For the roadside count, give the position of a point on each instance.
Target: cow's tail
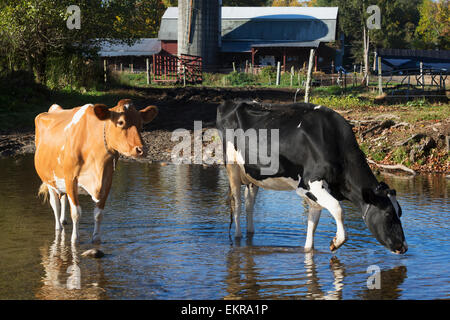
(43, 192)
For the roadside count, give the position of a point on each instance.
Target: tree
(32, 31)
(398, 21)
(170, 3)
(146, 18)
(433, 30)
(286, 3)
(244, 3)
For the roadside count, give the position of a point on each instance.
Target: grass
(21, 99)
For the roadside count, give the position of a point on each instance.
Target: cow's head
(381, 213)
(123, 126)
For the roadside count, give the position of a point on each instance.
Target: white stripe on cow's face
(318, 107)
(77, 116)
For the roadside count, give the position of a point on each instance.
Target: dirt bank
(382, 131)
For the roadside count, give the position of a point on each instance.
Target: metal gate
(184, 69)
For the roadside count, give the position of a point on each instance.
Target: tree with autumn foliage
(433, 31)
(286, 3)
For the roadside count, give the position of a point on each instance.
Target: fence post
(421, 76)
(292, 76)
(308, 78)
(278, 73)
(105, 70)
(148, 70)
(234, 66)
(380, 78)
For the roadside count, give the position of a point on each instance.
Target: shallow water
(165, 236)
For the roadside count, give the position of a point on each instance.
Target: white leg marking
(62, 218)
(98, 217)
(325, 200)
(250, 195)
(313, 219)
(54, 202)
(76, 215)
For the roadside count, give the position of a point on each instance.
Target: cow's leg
(100, 204)
(54, 202)
(251, 191)
(98, 217)
(75, 209)
(313, 219)
(235, 188)
(327, 201)
(63, 202)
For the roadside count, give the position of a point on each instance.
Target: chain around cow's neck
(114, 154)
(365, 212)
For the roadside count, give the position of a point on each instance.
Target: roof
(246, 46)
(411, 53)
(236, 13)
(142, 47)
(244, 27)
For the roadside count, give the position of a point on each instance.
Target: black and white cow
(319, 157)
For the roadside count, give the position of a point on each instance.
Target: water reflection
(63, 274)
(166, 237)
(245, 279)
(390, 283)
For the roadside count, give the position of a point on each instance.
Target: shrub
(18, 90)
(240, 79)
(73, 72)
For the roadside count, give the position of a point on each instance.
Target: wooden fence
(184, 69)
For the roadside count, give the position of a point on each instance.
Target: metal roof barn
(244, 27)
(143, 47)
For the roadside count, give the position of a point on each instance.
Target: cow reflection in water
(245, 279)
(63, 275)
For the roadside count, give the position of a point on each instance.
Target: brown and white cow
(76, 151)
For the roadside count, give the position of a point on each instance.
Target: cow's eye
(120, 123)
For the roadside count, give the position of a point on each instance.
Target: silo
(199, 24)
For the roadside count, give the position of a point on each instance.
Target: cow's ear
(369, 196)
(102, 112)
(149, 113)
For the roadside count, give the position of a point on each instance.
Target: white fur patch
(234, 156)
(77, 116)
(54, 107)
(60, 184)
(318, 107)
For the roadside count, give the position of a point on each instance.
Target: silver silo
(199, 24)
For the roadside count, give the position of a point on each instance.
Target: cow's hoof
(63, 222)
(336, 244)
(93, 253)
